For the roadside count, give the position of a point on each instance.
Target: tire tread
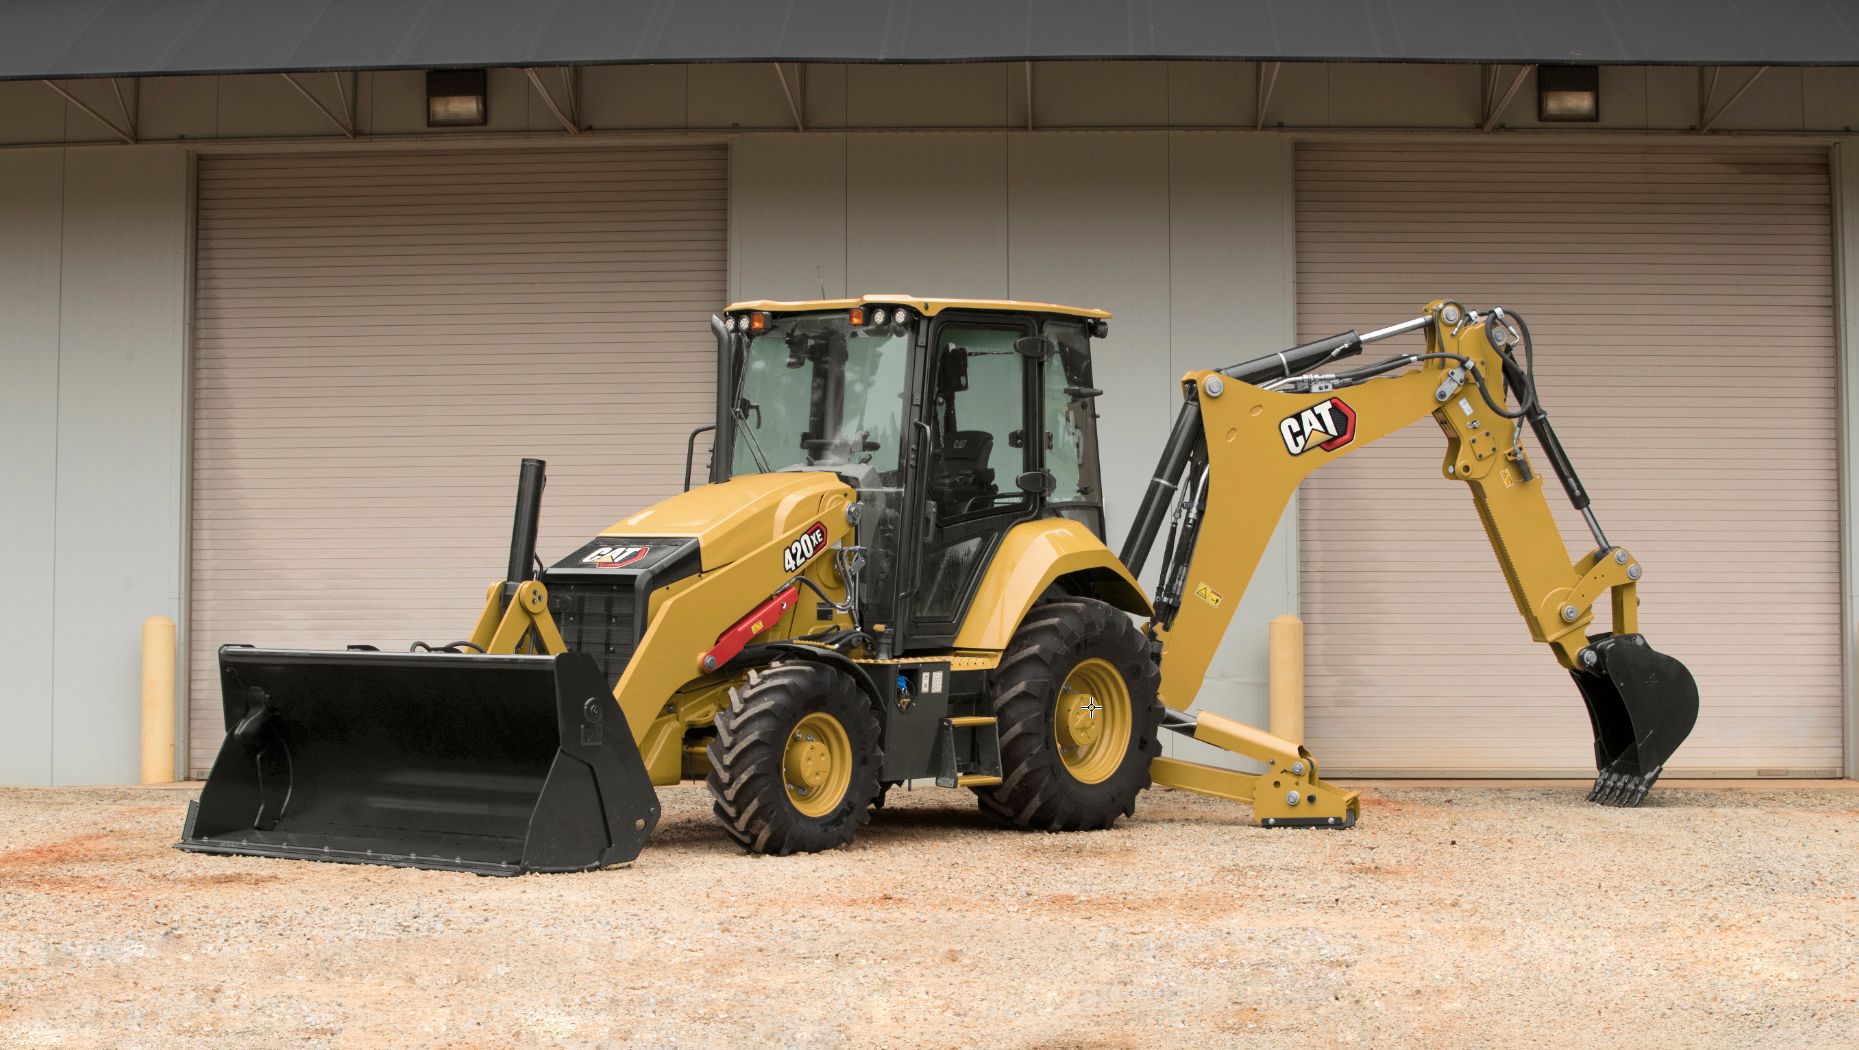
(748, 796)
(1035, 790)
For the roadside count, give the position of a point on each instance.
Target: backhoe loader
(897, 572)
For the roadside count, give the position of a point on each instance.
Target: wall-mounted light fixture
(455, 98)
(1568, 94)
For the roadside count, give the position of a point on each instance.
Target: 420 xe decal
(803, 549)
(1329, 426)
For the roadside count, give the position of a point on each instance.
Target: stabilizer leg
(1289, 794)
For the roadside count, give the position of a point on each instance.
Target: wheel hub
(816, 764)
(1082, 724)
(809, 760)
(1092, 720)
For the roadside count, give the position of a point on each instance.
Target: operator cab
(955, 420)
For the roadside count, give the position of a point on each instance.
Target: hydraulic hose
(1523, 379)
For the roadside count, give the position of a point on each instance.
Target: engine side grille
(599, 620)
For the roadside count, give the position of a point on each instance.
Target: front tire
(1075, 696)
(794, 766)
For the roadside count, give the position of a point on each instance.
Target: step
(972, 720)
(976, 780)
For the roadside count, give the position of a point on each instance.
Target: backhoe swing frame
(1239, 452)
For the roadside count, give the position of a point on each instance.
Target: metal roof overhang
(94, 38)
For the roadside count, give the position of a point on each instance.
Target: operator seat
(964, 481)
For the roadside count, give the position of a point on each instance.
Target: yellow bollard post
(158, 700)
(1287, 684)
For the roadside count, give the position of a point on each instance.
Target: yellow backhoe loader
(897, 571)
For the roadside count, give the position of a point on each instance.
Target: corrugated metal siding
(1682, 308)
(379, 338)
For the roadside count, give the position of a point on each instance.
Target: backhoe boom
(1247, 436)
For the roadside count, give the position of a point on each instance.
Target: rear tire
(1075, 695)
(794, 766)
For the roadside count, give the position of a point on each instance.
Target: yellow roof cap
(929, 307)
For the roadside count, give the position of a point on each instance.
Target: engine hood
(735, 517)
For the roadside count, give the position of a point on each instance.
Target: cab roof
(928, 307)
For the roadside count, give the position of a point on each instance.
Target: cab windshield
(814, 392)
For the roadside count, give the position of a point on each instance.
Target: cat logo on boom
(1328, 425)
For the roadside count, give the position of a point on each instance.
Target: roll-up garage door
(1682, 306)
(379, 338)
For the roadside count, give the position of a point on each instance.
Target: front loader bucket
(490, 764)
(1642, 704)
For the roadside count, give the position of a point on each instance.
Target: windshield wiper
(755, 447)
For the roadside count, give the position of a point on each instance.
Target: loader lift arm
(1247, 436)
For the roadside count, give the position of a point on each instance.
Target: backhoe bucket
(490, 764)
(1642, 704)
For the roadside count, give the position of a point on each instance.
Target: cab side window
(1068, 408)
(978, 450)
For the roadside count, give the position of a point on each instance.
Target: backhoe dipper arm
(1250, 434)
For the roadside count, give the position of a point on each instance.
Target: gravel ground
(1455, 916)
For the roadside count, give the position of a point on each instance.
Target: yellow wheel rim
(816, 765)
(1091, 721)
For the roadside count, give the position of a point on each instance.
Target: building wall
(1185, 233)
(93, 411)
(1184, 236)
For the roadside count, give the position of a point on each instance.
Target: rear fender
(1033, 557)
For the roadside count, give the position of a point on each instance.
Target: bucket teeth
(1623, 790)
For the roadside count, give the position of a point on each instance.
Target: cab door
(980, 402)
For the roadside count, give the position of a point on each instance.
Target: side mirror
(1037, 347)
(1036, 482)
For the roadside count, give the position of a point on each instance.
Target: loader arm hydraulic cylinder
(1257, 430)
